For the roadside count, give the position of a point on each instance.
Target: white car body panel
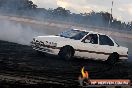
(84, 50)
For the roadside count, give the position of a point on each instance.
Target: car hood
(52, 38)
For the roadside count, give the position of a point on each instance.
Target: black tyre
(66, 53)
(113, 58)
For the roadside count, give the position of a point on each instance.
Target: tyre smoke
(15, 32)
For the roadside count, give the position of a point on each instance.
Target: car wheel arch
(113, 58)
(72, 49)
(114, 53)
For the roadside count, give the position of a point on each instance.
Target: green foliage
(103, 19)
(17, 4)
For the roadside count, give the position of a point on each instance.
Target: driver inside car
(89, 39)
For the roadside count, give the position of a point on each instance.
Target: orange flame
(84, 73)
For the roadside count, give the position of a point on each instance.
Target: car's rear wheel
(113, 58)
(66, 53)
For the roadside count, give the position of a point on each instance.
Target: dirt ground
(21, 66)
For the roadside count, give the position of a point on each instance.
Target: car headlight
(45, 43)
(50, 44)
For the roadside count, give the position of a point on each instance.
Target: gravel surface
(21, 65)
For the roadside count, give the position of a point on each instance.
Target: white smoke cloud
(15, 32)
(74, 7)
(82, 6)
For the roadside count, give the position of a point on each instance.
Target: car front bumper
(38, 47)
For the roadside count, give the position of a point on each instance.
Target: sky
(122, 9)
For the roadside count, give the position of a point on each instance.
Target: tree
(61, 11)
(30, 5)
(17, 4)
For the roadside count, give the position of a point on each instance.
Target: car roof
(90, 31)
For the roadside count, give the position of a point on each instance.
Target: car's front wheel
(66, 53)
(113, 58)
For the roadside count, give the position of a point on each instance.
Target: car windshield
(73, 34)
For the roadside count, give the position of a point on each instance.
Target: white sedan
(81, 43)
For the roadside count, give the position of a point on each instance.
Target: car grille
(40, 46)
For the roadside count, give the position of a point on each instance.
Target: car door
(88, 48)
(106, 47)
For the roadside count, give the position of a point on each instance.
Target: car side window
(105, 40)
(91, 38)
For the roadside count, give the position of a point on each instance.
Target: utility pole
(112, 9)
(109, 24)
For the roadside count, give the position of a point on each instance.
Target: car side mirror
(87, 41)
